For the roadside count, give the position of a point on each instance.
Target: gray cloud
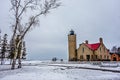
(90, 19)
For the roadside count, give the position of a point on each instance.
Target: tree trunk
(19, 63)
(10, 61)
(14, 59)
(13, 64)
(16, 53)
(2, 59)
(19, 59)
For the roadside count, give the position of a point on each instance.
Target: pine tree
(3, 49)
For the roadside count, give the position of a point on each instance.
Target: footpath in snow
(103, 66)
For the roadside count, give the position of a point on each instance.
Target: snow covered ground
(38, 70)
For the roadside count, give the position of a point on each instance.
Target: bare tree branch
(24, 7)
(47, 6)
(19, 7)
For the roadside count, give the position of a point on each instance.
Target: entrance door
(114, 59)
(88, 57)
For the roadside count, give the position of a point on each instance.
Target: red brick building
(115, 57)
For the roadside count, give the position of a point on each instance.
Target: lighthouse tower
(72, 46)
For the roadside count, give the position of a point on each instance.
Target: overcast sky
(90, 19)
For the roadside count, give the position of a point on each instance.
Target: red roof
(94, 46)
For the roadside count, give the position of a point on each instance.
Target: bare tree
(21, 26)
(114, 49)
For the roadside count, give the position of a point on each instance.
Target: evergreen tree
(3, 49)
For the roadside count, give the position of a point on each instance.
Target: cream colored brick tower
(72, 46)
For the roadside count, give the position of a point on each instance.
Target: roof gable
(94, 46)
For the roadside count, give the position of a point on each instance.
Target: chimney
(101, 40)
(86, 41)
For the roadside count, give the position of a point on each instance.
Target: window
(104, 56)
(81, 56)
(107, 57)
(95, 56)
(100, 56)
(83, 50)
(100, 49)
(104, 49)
(92, 57)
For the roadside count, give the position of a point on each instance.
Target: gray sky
(90, 19)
